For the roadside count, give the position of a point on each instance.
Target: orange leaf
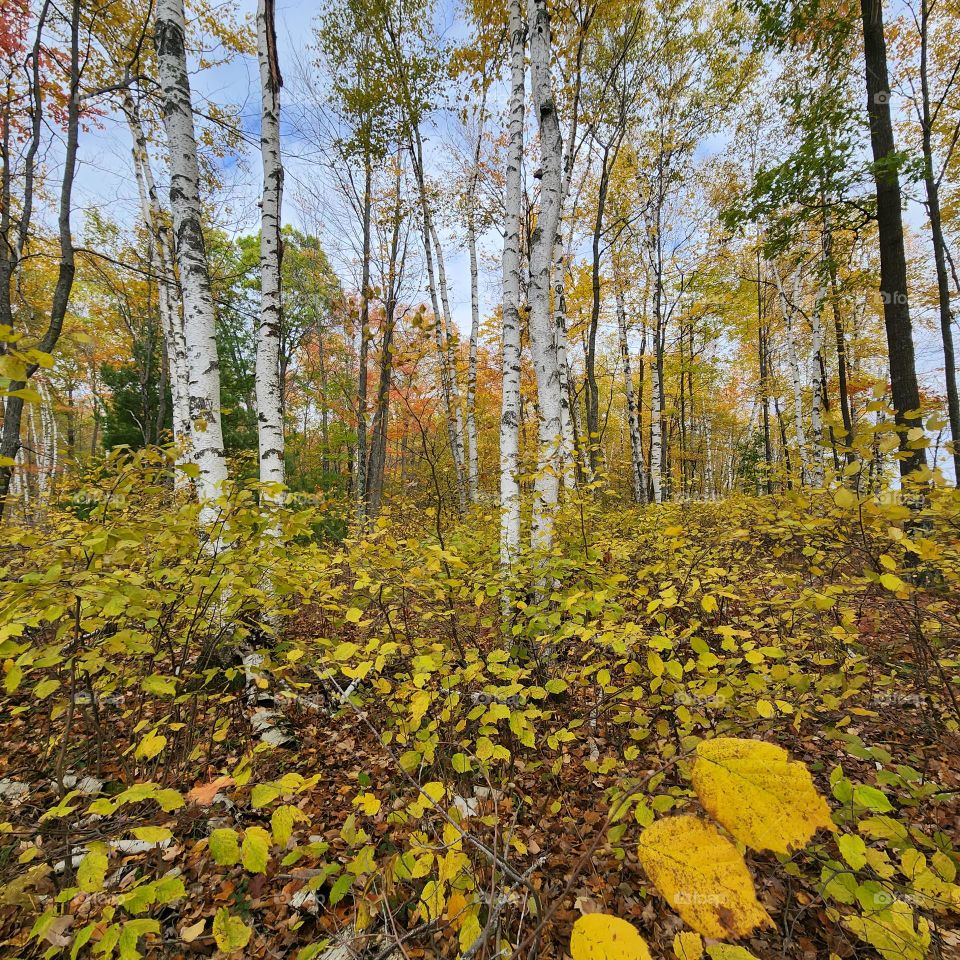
(204, 794)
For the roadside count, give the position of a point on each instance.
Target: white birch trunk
(199, 323)
(816, 420)
(161, 263)
(633, 421)
(473, 458)
(268, 387)
(510, 400)
(567, 449)
(656, 416)
(543, 340)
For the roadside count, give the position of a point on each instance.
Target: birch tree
(268, 387)
(199, 325)
(543, 341)
(510, 400)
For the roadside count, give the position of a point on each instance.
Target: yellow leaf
(369, 803)
(255, 851)
(764, 799)
(892, 932)
(702, 876)
(599, 936)
(231, 933)
(150, 745)
(709, 603)
(844, 498)
(282, 821)
(152, 834)
(727, 951)
(224, 846)
(892, 582)
(353, 615)
(688, 946)
(93, 868)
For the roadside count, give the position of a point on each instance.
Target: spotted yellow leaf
(599, 936)
(702, 876)
(765, 799)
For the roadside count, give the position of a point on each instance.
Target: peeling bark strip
(543, 341)
(199, 326)
(268, 385)
(510, 402)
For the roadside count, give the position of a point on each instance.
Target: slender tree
(893, 261)
(268, 387)
(199, 322)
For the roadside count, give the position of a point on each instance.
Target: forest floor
(475, 793)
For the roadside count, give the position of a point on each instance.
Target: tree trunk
(796, 382)
(63, 286)
(454, 434)
(268, 386)
(473, 460)
(633, 422)
(362, 466)
(932, 184)
(543, 342)
(510, 400)
(893, 261)
(593, 391)
(199, 322)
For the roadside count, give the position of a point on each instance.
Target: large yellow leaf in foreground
(765, 799)
(702, 876)
(599, 936)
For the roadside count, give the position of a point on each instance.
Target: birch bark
(510, 400)
(268, 386)
(473, 459)
(543, 341)
(633, 421)
(199, 324)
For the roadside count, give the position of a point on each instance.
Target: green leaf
(340, 888)
(871, 798)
